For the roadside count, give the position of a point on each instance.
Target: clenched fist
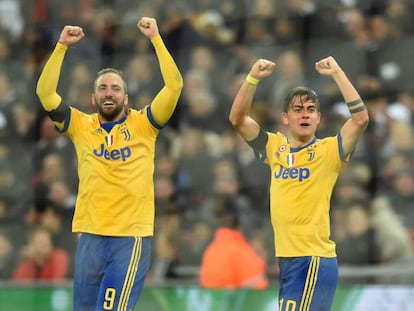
(262, 68)
(71, 35)
(327, 66)
(148, 27)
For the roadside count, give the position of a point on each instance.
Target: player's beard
(112, 114)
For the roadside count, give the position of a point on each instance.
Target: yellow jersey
(302, 181)
(115, 167)
(115, 195)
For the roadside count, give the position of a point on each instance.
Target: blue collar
(107, 126)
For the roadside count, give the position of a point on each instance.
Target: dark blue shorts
(110, 272)
(307, 283)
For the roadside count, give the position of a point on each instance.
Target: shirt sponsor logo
(115, 154)
(300, 174)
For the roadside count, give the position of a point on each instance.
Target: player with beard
(115, 147)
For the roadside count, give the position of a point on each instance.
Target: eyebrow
(302, 105)
(109, 85)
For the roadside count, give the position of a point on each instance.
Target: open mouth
(108, 103)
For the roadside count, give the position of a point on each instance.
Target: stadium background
(199, 157)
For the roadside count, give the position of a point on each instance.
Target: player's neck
(298, 142)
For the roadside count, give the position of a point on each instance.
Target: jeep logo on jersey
(116, 154)
(293, 173)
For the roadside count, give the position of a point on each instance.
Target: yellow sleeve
(163, 105)
(48, 81)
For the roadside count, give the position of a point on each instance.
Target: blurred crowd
(200, 159)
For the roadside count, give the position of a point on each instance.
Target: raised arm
(163, 105)
(353, 128)
(46, 88)
(240, 117)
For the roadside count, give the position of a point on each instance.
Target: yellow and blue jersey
(115, 168)
(115, 204)
(302, 181)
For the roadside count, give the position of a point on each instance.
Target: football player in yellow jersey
(304, 170)
(114, 212)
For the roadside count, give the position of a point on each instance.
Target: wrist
(155, 38)
(62, 46)
(340, 74)
(252, 80)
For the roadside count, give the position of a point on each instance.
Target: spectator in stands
(8, 94)
(194, 160)
(44, 184)
(166, 245)
(10, 61)
(81, 82)
(11, 18)
(179, 33)
(400, 195)
(10, 184)
(230, 261)
(396, 240)
(40, 259)
(360, 246)
(290, 74)
(196, 237)
(8, 256)
(355, 27)
(51, 141)
(58, 222)
(141, 80)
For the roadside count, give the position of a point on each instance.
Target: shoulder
(277, 138)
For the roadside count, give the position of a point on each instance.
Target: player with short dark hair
(115, 147)
(304, 170)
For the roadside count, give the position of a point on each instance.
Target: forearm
(351, 96)
(242, 103)
(163, 105)
(240, 111)
(239, 116)
(345, 86)
(169, 70)
(47, 85)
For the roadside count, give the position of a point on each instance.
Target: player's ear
(284, 118)
(93, 100)
(126, 100)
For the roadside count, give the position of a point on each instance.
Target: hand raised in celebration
(327, 66)
(71, 35)
(262, 68)
(148, 27)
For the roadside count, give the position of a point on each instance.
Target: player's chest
(286, 157)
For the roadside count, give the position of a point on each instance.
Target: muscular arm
(353, 128)
(163, 105)
(46, 88)
(240, 117)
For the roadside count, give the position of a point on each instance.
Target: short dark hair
(110, 70)
(305, 94)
